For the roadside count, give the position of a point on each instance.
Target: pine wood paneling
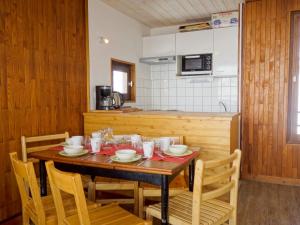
(158, 13)
(42, 78)
(266, 34)
(215, 134)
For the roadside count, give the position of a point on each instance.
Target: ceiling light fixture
(103, 40)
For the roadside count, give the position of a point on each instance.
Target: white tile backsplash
(161, 89)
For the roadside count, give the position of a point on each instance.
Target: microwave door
(192, 63)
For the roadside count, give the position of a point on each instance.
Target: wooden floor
(268, 204)
(259, 204)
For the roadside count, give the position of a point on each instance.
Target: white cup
(148, 148)
(96, 144)
(75, 140)
(164, 143)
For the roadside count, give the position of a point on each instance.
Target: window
(294, 81)
(123, 78)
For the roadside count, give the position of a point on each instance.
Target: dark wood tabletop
(103, 161)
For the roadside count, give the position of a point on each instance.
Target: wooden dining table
(157, 172)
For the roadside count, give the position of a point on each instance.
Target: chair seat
(49, 207)
(109, 214)
(180, 210)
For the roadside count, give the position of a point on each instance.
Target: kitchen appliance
(107, 100)
(193, 65)
(158, 60)
(104, 99)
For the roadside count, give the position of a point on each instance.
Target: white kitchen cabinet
(225, 54)
(160, 45)
(196, 42)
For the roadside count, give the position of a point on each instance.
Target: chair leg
(136, 198)
(149, 216)
(141, 203)
(92, 191)
(233, 220)
(25, 218)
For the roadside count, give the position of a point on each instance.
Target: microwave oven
(197, 64)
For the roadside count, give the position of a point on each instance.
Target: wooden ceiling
(159, 13)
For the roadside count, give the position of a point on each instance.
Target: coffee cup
(164, 143)
(96, 144)
(148, 148)
(75, 140)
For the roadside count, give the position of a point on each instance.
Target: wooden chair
(206, 207)
(40, 210)
(177, 186)
(71, 183)
(58, 138)
(116, 185)
(54, 137)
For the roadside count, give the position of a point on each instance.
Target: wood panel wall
(42, 78)
(266, 34)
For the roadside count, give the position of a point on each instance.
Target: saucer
(116, 159)
(63, 153)
(188, 152)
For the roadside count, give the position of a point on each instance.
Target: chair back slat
(224, 175)
(26, 179)
(70, 183)
(223, 181)
(44, 138)
(218, 192)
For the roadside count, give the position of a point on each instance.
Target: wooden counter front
(216, 133)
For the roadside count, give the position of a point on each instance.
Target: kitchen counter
(159, 113)
(215, 133)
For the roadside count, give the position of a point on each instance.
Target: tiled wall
(191, 94)
(144, 88)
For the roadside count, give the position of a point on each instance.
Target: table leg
(164, 200)
(43, 178)
(191, 175)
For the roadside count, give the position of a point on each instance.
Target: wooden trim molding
(133, 77)
(87, 41)
(272, 180)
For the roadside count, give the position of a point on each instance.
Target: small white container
(96, 144)
(148, 148)
(125, 154)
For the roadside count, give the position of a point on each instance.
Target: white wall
(125, 35)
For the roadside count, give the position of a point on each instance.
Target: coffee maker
(104, 98)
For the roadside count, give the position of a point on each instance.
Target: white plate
(116, 159)
(63, 153)
(188, 152)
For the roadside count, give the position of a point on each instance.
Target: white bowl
(125, 154)
(73, 149)
(178, 149)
